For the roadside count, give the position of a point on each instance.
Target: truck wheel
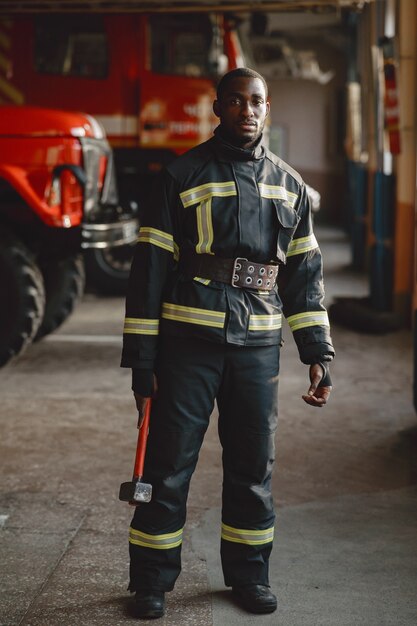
(108, 270)
(64, 285)
(22, 296)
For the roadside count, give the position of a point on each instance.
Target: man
(226, 221)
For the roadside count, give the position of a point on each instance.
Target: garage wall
(311, 117)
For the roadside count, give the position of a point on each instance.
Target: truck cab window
(71, 46)
(180, 44)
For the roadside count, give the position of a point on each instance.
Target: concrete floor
(345, 484)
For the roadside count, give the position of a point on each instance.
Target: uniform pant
(191, 375)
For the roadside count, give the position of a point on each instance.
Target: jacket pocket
(287, 223)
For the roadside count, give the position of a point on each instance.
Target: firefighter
(226, 249)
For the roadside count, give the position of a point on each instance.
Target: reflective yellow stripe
(204, 228)
(157, 238)
(278, 192)
(301, 245)
(13, 94)
(8, 93)
(265, 322)
(140, 326)
(204, 281)
(310, 318)
(191, 315)
(249, 537)
(156, 542)
(206, 191)
(176, 252)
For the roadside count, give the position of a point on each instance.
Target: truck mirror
(76, 170)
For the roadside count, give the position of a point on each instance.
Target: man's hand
(141, 401)
(317, 396)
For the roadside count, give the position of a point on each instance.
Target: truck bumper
(109, 235)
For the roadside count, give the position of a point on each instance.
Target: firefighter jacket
(218, 199)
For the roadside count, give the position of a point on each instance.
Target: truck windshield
(183, 45)
(70, 46)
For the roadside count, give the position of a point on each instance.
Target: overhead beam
(10, 7)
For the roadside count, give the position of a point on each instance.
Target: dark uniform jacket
(221, 200)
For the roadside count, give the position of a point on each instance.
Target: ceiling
(141, 6)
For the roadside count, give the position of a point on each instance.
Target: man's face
(242, 110)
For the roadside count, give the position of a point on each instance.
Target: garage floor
(345, 484)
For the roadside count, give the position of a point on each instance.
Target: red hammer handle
(141, 445)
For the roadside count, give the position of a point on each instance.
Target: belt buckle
(237, 266)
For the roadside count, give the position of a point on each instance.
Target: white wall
(307, 112)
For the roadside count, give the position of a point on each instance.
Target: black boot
(255, 598)
(149, 604)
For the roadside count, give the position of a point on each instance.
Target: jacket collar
(226, 151)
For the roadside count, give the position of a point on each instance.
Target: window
(71, 46)
(183, 45)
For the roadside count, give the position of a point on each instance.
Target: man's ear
(268, 108)
(216, 108)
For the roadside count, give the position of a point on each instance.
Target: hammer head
(135, 492)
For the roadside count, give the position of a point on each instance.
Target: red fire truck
(58, 196)
(148, 79)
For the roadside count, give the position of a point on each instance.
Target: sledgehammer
(136, 491)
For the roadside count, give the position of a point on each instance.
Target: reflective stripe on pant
(191, 374)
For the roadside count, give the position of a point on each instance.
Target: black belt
(237, 272)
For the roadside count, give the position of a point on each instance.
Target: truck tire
(64, 285)
(22, 296)
(108, 270)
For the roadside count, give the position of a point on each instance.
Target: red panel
(29, 167)
(176, 112)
